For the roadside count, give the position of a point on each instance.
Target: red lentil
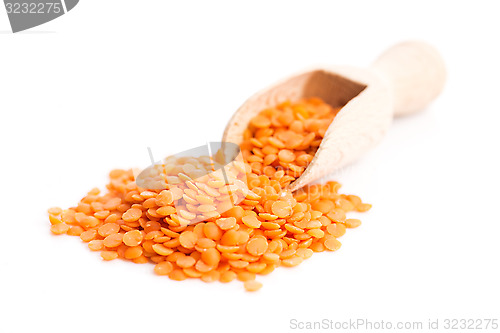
(109, 255)
(59, 229)
(252, 285)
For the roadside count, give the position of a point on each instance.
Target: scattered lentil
(252, 285)
(59, 228)
(109, 255)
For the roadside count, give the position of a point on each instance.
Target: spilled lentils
(197, 226)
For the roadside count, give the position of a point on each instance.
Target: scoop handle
(415, 72)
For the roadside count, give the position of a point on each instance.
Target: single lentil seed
(257, 245)
(164, 268)
(96, 245)
(226, 223)
(108, 229)
(260, 121)
(132, 214)
(109, 255)
(286, 156)
(162, 249)
(336, 229)
(54, 220)
(113, 240)
(133, 252)
(205, 243)
(88, 235)
(211, 256)
(251, 221)
(352, 223)
(281, 209)
(132, 238)
(75, 231)
(188, 239)
(185, 262)
(332, 244)
(55, 211)
(59, 229)
(252, 285)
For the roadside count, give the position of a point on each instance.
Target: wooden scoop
(402, 80)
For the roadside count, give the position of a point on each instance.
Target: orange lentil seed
(59, 229)
(251, 221)
(185, 262)
(257, 246)
(75, 230)
(132, 238)
(96, 245)
(133, 252)
(164, 268)
(132, 214)
(88, 235)
(205, 243)
(332, 244)
(281, 209)
(336, 229)
(55, 211)
(54, 220)
(352, 223)
(226, 223)
(162, 249)
(260, 122)
(252, 285)
(108, 229)
(188, 239)
(113, 240)
(109, 255)
(211, 256)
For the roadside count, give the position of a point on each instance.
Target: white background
(92, 90)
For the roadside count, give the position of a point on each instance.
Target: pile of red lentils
(194, 229)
